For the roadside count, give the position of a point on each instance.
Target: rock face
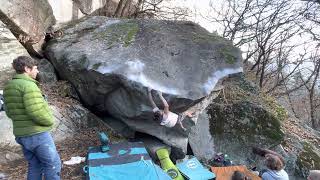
(111, 62)
(7, 138)
(46, 71)
(8, 146)
(236, 120)
(308, 159)
(28, 21)
(71, 119)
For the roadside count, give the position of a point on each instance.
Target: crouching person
(275, 165)
(32, 121)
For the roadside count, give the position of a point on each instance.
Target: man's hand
(160, 93)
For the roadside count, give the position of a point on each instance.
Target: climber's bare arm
(153, 104)
(164, 102)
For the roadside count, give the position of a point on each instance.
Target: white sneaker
(75, 160)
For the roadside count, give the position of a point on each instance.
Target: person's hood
(278, 174)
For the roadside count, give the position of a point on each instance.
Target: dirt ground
(70, 147)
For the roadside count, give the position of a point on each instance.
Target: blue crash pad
(192, 169)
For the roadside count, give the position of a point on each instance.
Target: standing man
(32, 120)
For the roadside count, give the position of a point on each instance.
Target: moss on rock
(245, 114)
(279, 111)
(209, 37)
(226, 53)
(226, 49)
(119, 33)
(246, 121)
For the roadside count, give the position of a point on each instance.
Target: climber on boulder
(165, 116)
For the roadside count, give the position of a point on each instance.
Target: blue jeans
(42, 156)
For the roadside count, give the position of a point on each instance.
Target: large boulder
(237, 120)
(28, 21)
(111, 62)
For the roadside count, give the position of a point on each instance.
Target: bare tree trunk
(106, 8)
(262, 74)
(314, 120)
(85, 6)
(75, 10)
(119, 8)
(138, 8)
(312, 116)
(292, 106)
(125, 8)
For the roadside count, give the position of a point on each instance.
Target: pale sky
(197, 6)
(203, 7)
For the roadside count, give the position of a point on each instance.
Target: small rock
(10, 156)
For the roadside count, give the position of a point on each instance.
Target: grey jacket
(275, 175)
